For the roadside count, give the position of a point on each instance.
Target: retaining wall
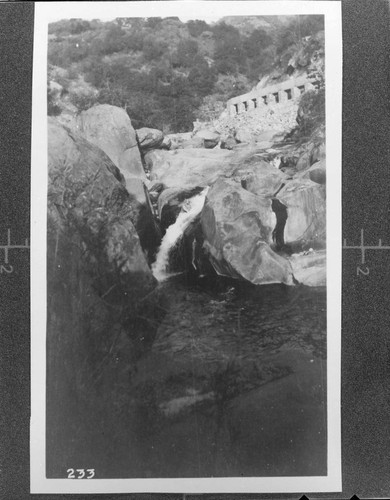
(278, 94)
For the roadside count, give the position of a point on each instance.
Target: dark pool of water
(234, 385)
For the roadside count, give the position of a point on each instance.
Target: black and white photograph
(186, 222)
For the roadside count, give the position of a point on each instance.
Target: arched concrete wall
(279, 93)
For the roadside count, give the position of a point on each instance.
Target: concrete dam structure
(279, 94)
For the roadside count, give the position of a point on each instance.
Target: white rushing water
(189, 210)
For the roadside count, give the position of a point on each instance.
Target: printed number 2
(364, 272)
(81, 473)
(6, 268)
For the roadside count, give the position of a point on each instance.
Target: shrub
(311, 111)
(83, 101)
(197, 27)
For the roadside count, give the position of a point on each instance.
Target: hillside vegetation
(167, 73)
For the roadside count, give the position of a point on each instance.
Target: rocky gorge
(233, 318)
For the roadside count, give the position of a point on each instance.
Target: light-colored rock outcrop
(237, 228)
(306, 212)
(309, 268)
(130, 164)
(149, 138)
(110, 128)
(317, 172)
(188, 168)
(260, 177)
(86, 192)
(210, 138)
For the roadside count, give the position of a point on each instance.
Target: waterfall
(189, 210)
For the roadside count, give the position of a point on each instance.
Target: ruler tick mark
(7, 267)
(363, 248)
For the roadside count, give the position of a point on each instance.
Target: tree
(201, 77)
(196, 28)
(113, 40)
(299, 27)
(133, 40)
(229, 54)
(77, 26)
(311, 111)
(153, 22)
(261, 64)
(152, 48)
(185, 53)
(257, 42)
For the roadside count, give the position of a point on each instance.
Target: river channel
(234, 383)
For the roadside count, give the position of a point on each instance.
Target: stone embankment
(280, 93)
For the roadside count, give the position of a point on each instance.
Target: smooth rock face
(303, 162)
(110, 128)
(86, 189)
(237, 228)
(229, 143)
(317, 172)
(55, 90)
(318, 153)
(193, 143)
(157, 162)
(130, 164)
(209, 137)
(309, 268)
(244, 135)
(149, 138)
(167, 143)
(178, 139)
(260, 177)
(264, 144)
(188, 169)
(247, 134)
(306, 214)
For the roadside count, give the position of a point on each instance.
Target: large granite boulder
(54, 90)
(237, 228)
(149, 138)
(318, 153)
(260, 177)
(229, 142)
(110, 128)
(249, 134)
(305, 201)
(166, 143)
(87, 192)
(130, 164)
(184, 140)
(317, 172)
(210, 138)
(303, 162)
(99, 287)
(309, 267)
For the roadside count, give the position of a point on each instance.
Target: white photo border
(50, 11)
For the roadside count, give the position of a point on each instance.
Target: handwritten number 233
(81, 473)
